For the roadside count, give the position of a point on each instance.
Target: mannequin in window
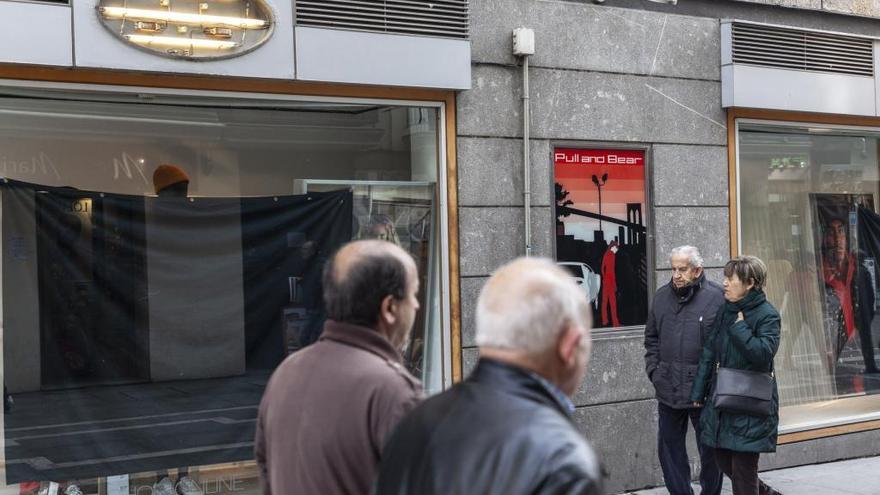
(381, 227)
(170, 181)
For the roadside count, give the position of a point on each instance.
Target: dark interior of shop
(140, 331)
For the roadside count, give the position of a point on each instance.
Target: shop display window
(139, 329)
(808, 206)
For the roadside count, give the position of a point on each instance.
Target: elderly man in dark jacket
(678, 324)
(328, 409)
(507, 429)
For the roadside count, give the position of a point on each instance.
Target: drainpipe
(523, 46)
(527, 183)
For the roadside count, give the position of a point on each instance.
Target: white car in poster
(585, 277)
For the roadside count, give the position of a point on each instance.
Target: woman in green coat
(745, 336)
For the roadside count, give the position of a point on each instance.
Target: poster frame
(650, 248)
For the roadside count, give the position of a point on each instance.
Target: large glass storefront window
(139, 329)
(809, 202)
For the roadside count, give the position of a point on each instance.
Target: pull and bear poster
(600, 230)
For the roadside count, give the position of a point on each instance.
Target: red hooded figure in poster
(609, 288)
(601, 235)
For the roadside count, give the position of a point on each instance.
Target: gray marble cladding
(846, 446)
(470, 290)
(490, 172)
(625, 437)
(690, 175)
(616, 372)
(707, 228)
(867, 8)
(571, 105)
(493, 105)
(797, 4)
(603, 38)
(823, 450)
(623, 75)
(469, 358)
(490, 237)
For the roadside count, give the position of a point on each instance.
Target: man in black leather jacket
(678, 324)
(507, 429)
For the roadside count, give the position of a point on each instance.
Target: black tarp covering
(139, 332)
(869, 255)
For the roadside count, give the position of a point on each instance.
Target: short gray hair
(692, 253)
(749, 269)
(527, 304)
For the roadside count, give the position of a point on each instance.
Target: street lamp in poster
(600, 230)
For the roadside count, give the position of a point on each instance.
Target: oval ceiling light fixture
(191, 30)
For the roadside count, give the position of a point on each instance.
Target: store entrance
(85, 257)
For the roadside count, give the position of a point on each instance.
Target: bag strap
(724, 354)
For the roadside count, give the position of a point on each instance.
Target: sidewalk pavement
(853, 477)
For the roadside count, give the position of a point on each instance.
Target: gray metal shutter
(441, 18)
(795, 49)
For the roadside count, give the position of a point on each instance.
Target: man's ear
(387, 310)
(569, 345)
(698, 271)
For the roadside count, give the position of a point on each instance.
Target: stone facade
(867, 8)
(603, 74)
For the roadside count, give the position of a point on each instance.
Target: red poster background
(622, 271)
(574, 168)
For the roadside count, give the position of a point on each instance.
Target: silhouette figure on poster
(609, 285)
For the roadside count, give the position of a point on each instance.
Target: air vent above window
(443, 18)
(795, 49)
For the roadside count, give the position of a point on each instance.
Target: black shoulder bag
(743, 391)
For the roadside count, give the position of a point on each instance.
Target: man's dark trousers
(671, 445)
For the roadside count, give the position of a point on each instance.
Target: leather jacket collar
(520, 382)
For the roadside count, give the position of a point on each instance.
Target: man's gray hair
(527, 304)
(692, 253)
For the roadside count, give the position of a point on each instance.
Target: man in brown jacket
(327, 409)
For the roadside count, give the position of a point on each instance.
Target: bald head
(526, 304)
(361, 275)
(354, 254)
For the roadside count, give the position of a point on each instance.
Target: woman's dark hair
(749, 269)
(356, 297)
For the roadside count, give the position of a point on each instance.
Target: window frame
(442, 101)
(735, 118)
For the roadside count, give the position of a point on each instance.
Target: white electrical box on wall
(523, 41)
